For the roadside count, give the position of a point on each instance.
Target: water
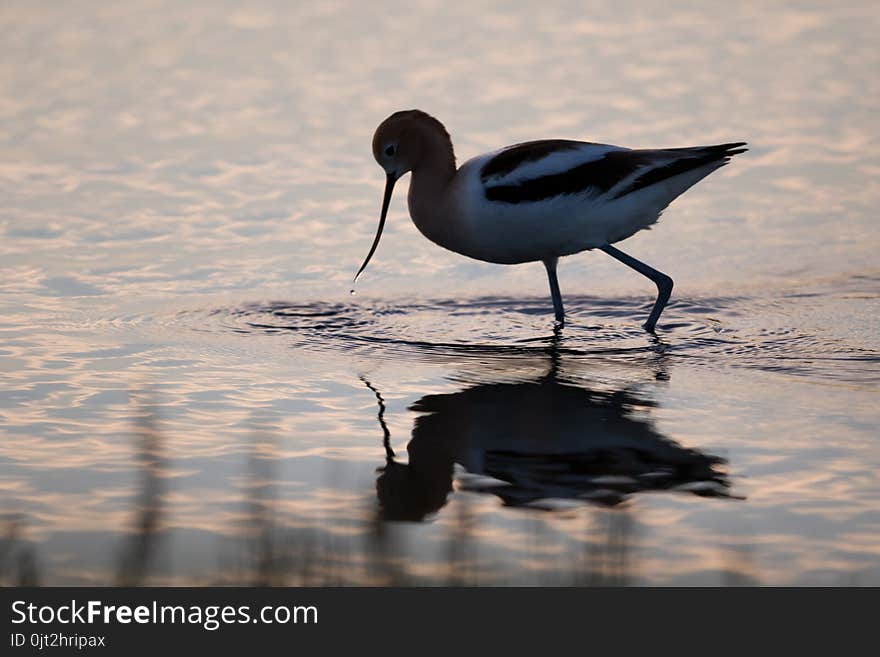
(190, 395)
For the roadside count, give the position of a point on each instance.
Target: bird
(536, 201)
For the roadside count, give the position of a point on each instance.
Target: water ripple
(712, 332)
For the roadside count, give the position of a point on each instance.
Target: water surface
(190, 395)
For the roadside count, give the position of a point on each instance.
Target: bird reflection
(539, 443)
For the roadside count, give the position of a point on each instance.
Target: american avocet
(539, 200)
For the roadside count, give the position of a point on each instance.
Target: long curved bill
(389, 187)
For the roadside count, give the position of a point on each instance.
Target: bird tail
(671, 162)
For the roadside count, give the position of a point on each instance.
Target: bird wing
(541, 170)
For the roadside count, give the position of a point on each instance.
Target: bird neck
(436, 160)
(429, 201)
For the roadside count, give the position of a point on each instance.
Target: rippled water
(190, 395)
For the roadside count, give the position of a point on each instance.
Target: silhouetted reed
(138, 554)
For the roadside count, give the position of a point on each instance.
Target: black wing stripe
(510, 158)
(598, 175)
(721, 149)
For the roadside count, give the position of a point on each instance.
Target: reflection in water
(18, 561)
(141, 546)
(553, 439)
(536, 443)
(263, 560)
(609, 562)
(386, 433)
(263, 554)
(738, 566)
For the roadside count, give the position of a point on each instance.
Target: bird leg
(663, 282)
(550, 264)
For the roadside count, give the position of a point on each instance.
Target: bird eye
(389, 150)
